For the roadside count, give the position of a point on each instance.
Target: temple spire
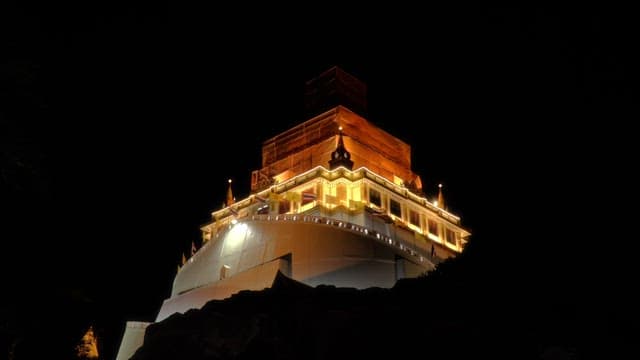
(88, 346)
(340, 156)
(440, 197)
(230, 199)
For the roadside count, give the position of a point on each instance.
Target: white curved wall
(132, 339)
(257, 278)
(253, 251)
(320, 254)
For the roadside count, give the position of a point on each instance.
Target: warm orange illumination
(310, 144)
(88, 346)
(323, 172)
(339, 190)
(283, 176)
(313, 217)
(398, 181)
(230, 198)
(440, 196)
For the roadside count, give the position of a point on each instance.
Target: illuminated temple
(335, 202)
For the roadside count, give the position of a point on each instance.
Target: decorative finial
(340, 156)
(230, 198)
(440, 197)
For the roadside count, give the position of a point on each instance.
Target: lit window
(283, 207)
(308, 196)
(395, 208)
(451, 237)
(414, 218)
(374, 197)
(433, 227)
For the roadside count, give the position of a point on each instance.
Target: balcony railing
(417, 255)
(331, 175)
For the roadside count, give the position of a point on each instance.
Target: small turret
(340, 156)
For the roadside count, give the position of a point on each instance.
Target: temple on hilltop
(335, 202)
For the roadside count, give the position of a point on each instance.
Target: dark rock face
(288, 321)
(450, 314)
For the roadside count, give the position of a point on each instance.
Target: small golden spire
(340, 156)
(440, 197)
(88, 346)
(230, 198)
(340, 141)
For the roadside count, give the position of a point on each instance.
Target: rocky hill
(449, 314)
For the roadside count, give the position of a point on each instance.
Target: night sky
(120, 123)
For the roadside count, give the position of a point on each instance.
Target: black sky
(121, 122)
